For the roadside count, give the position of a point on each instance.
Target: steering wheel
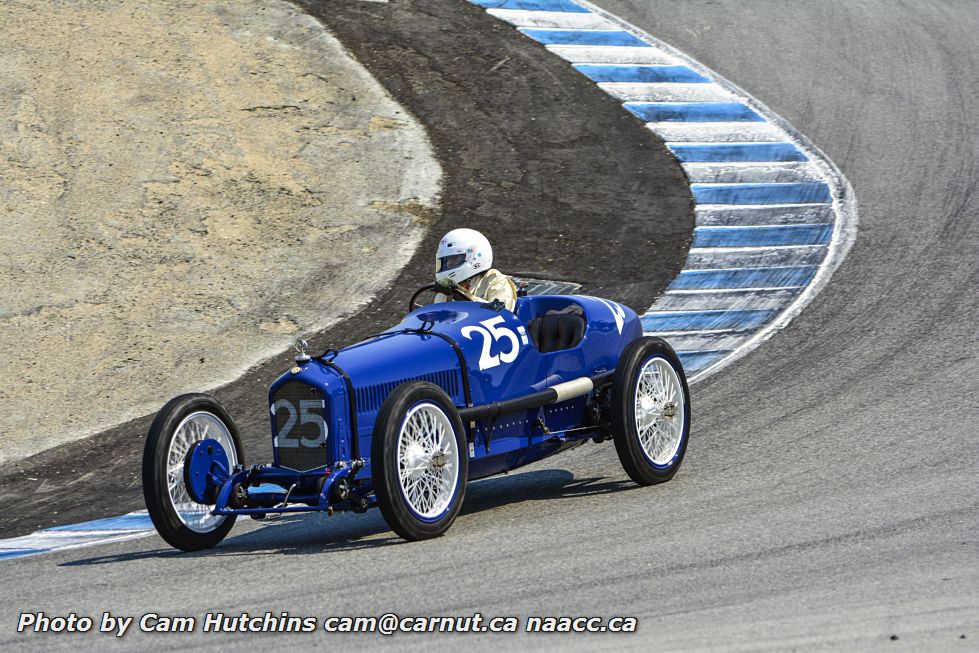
(413, 304)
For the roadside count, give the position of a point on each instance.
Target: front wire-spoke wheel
(193, 429)
(428, 460)
(417, 459)
(650, 411)
(183, 422)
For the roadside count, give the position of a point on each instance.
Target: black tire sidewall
(155, 486)
(384, 460)
(624, 432)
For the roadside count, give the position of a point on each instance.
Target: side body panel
(501, 370)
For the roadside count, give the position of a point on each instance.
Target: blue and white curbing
(101, 531)
(774, 216)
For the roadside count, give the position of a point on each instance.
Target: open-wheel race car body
(402, 420)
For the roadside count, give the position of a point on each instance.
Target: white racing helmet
(462, 253)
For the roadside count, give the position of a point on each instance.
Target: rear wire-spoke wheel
(184, 421)
(418, 460)
(650, 411)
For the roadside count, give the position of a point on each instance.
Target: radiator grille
(300, 426)
(370, 398)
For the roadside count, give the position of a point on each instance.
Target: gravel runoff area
(182, 188)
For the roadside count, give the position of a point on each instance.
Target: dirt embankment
(183, 189)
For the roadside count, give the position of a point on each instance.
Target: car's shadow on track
(311, 534)
(540, 485)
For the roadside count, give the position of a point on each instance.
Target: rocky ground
(182, 188)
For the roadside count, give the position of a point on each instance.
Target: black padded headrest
(556, 332)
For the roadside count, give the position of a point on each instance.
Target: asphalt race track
(828, 497)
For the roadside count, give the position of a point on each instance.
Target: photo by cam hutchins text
(151, 622)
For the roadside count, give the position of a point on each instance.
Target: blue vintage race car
(457, 391)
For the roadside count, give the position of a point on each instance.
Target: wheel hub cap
(439, 459)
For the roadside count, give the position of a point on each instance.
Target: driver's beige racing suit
(487, 286)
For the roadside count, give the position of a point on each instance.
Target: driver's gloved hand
(446, 286)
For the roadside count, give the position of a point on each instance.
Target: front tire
(183, 421)
(650, 411)
(419, 460)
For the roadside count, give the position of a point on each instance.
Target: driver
(463, 264)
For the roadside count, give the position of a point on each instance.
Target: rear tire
(650, 407)
(420, 460)
(184, 420)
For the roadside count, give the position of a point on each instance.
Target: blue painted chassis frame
(464, 338)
